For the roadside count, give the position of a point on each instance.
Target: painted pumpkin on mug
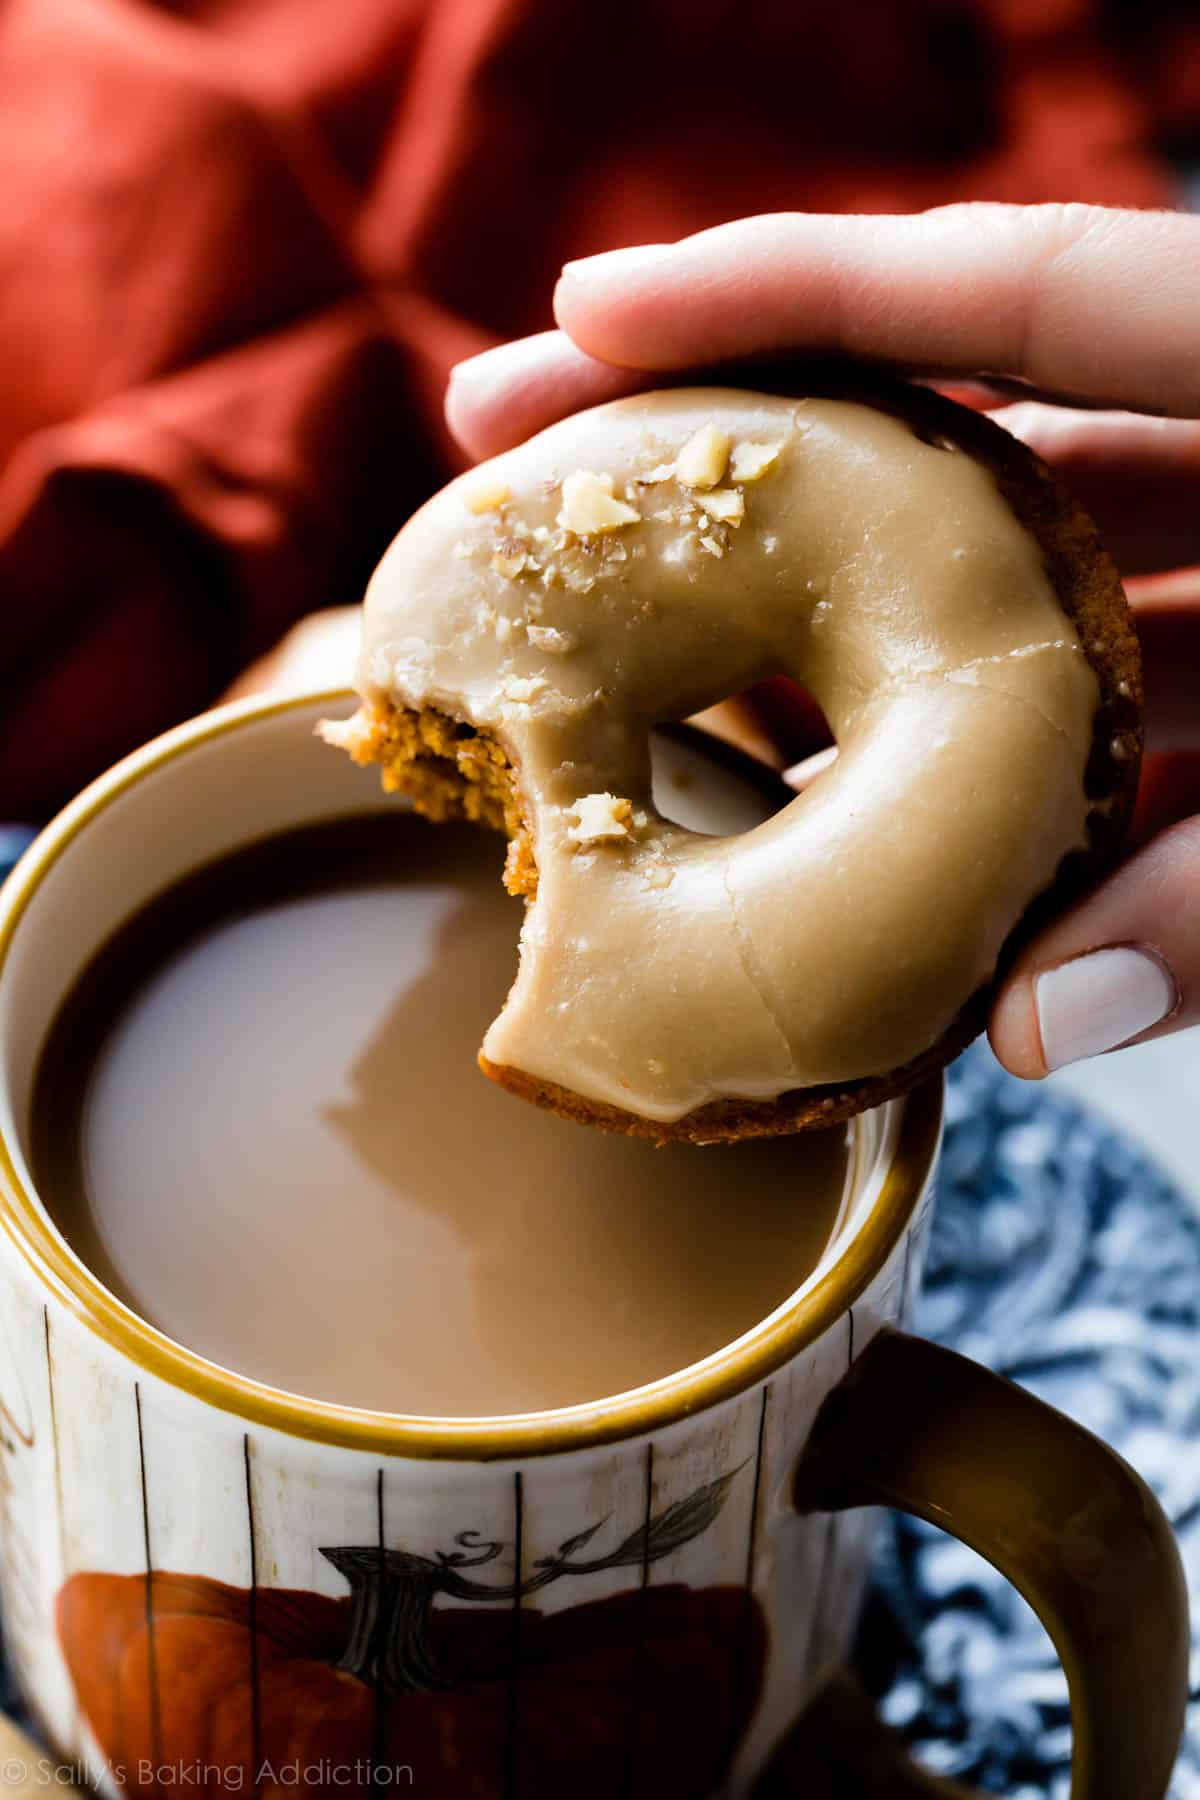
(187, 1680)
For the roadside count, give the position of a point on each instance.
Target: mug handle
(1073, 1527)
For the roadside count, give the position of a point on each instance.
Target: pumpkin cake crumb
(448, 770)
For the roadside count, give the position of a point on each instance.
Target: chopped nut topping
(523, 688)
(599, 816)
(489, 496)
(725, 504)
(509, 563)
(661, 472)
(752, 460)
(703, 459)
(713, 547)
(590, 506)
(550, 639)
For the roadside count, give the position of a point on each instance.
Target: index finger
(1082, 300)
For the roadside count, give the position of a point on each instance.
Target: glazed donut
(910, 564)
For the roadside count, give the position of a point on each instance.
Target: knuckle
(1171, 863)
(1064, 221)
(1181, 841)
(958, 214)
(1043, 231)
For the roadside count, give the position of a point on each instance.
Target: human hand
(319, 652)
(1082, 308)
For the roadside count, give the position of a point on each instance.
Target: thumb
(1123, 965)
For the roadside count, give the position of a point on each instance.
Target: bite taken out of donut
(905, 560)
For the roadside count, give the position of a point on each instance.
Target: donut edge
(1089, 590)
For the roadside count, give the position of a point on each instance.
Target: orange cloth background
(242, 241)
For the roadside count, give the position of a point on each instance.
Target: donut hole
(709, 784)
(780, 723)
(451, 770)
(790, 717)
(802, 775)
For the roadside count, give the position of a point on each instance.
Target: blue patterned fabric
(1061, 1257)
(13, 839)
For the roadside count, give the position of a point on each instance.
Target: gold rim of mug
(754, 1357)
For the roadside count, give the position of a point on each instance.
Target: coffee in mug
(272, 1067)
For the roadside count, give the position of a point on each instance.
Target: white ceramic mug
(208, 1583)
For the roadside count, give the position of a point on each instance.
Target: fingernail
(613, 265)
(1096, 1002)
